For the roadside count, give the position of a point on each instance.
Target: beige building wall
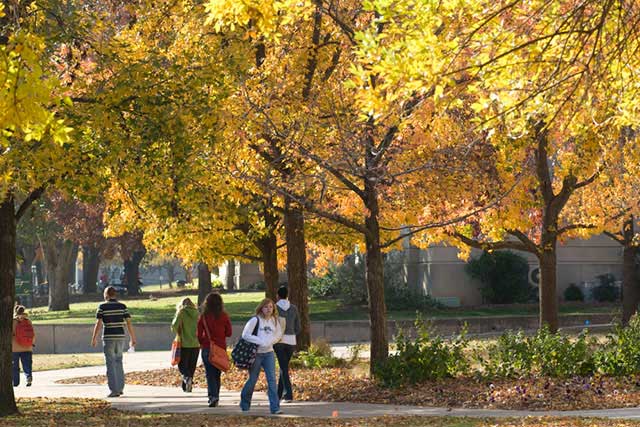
(439, 272)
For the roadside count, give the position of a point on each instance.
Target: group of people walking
(273, 329)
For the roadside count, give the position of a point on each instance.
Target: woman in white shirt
(269, 332)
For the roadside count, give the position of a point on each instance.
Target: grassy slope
(241, 306)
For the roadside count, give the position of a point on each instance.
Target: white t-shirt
(269, 332)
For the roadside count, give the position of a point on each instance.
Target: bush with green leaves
(427, 357)
(573, 293)
(607, 290)
(504, 277)
(515, 354)
(319, 355)
(620, 355)
(347, 282)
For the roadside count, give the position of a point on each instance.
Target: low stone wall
(73, 338)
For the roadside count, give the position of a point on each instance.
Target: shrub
(573, 293)
(216, 284)
(509, 357)
(427, 357)
(551, 354)
(257, 286)
(606, 291)
(556, 355)
(322, 287)
(318, 355)
(347, 282)
(621, 354)
(504, 277)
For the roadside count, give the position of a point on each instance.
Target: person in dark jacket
(287, 345)
(184, 325)
(218, 325)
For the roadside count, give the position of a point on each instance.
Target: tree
(549, 85)
(35, 147)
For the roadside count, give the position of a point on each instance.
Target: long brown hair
(213, 304)
(264, 302)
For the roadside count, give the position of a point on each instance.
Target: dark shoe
(184, 384)
(114, 394)
(29, 382)
(189, 385)
(213, 403)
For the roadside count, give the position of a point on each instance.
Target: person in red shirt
(219, 326)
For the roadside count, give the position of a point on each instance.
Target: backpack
(24, 333)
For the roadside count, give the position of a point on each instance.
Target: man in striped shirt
(114, 316)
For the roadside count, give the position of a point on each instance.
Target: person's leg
(287, 392)
(15, 368)
(269, 365)
(119, 368)
(210, 374)
(110, 360)
(27, 364)
(182, 365)
(247, 391)
(191, 359)
(278, 349)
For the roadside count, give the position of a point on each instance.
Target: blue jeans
(113, 350)
(213, 377)
(267, 361)
(27, 361)
(284, 352)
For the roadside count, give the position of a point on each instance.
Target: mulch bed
(344, 384)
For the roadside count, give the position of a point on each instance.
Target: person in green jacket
(184, 325)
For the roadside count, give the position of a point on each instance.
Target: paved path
(173, 400)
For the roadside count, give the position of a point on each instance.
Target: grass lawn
(86, 412)
(241, 306)
(47, 362)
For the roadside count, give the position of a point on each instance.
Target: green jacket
(184, 325)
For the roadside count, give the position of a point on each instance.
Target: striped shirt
(113, 315)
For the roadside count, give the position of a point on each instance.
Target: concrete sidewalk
(173, 400)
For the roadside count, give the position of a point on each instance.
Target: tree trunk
(297, 270)
(90, 269)
(187, 274)
(132, 272)
(630, 292)
(269, 248)
(27, 255)
(230, 274)
(204, 282)
(7, 299)
(374, 273)
(171, 273)
(547, 288)
(58, 259)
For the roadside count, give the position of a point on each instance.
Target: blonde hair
(264, 302)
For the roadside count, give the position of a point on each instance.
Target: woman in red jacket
(218, 328)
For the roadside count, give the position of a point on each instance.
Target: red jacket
(219, 328)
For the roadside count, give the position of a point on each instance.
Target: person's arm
(228, 331)
(175, 323)
(247, 332)
(33, 342)
(132, 335)
(96, 330)
(281, 324)
(201, 333)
